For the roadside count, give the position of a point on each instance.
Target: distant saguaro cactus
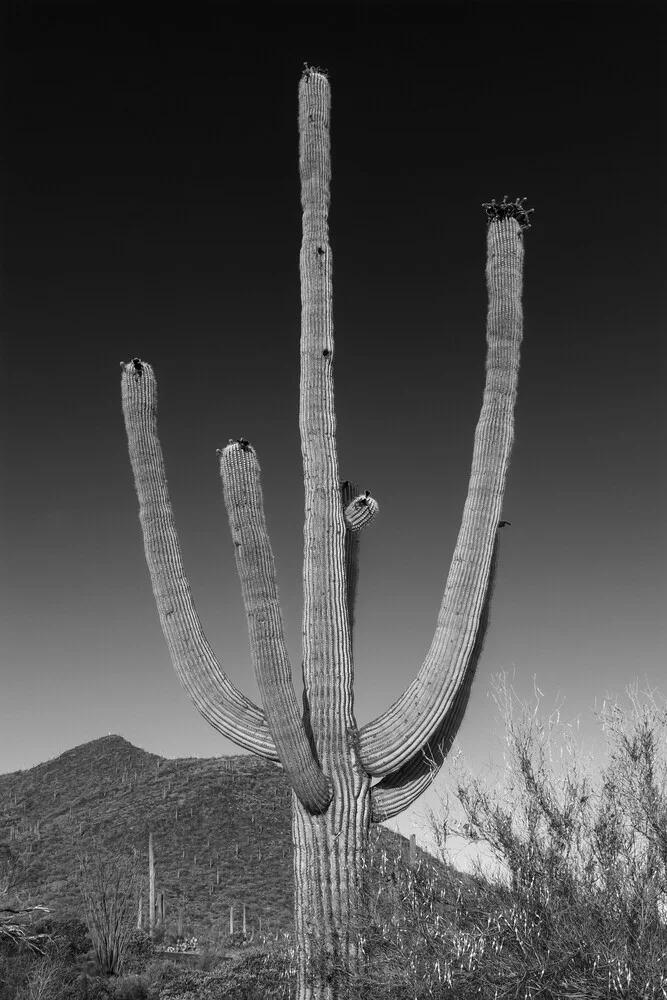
(151, 886)
(329, 760)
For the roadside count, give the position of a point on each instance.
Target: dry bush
(131, 987)
(583, 914)
(14, 912)
(50, 978)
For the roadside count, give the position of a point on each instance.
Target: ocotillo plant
(329, 760)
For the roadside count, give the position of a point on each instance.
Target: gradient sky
(152, 208)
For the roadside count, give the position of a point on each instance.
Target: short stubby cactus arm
(222, 705)
(242, 488)
(397, 736)
(397, 791)
(348, 491)
(358, 511)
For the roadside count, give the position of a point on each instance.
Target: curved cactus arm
(397, 791)
(399, 733)
(242, 488)
(222, 705)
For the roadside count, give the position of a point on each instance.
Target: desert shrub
(270, 974)
(187, 985)
(207, 959)
(13, 973)
(582, 910)
(69, 933)
(160, 972)
(15, 877)
(242, 981)
(237, 939)
(90, 988)
(139, 946)
(8, 946)
(174, 981)
(130, 987)
(75, 932)
(159, 934)
(43, 975)
(87, 963)
(50, 977)
(45, 925)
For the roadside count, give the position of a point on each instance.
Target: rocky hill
(221, 831)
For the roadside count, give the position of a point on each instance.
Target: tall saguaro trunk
(328, 759)
(328, 848)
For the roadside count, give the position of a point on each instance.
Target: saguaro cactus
(151, 886)
(328, 759)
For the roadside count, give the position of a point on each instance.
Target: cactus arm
(397, 791)
(242, 488)
(394, 738)
(358, 511)
(222, 705)
(327, 651)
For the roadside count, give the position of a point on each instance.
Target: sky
(151, 208)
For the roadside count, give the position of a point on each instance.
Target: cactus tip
(309, 71)
(242, 443)
(508, 209)
(133, 367)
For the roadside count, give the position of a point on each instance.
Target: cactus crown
(505, 209)
(309, 71)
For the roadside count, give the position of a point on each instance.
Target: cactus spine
(330, 762)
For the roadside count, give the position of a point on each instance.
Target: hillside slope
(221, 830)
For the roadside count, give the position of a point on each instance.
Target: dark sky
(151, 208)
